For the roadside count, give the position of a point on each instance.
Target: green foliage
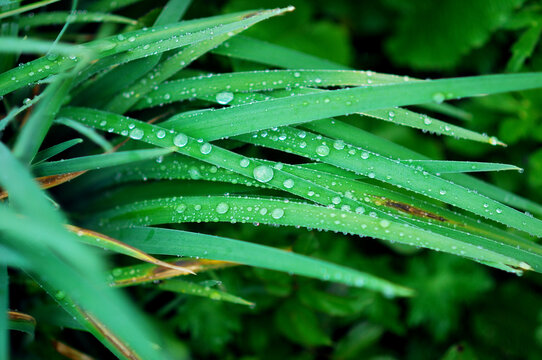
(309, 207)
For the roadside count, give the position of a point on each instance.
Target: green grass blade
(451, 167)
(87, 132)
(26, 8)
(140, 43)
(126, 74)
(55, 150)
(37, 126)
(190, 288)
(364, 162)
(201, 86)
(177, 242)
(361, 138)
(246, 48)
(122, 102)
(92, 162)
(286, 212)
(217, 124)
(61, 17)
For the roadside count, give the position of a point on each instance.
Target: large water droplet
(244, 162)
(224, 97)
(206, 148)
(322, 150)
(263, 173)
(222, 208)
(277, 213)
(180, 140)
(438, 97)
(161, 134)
(136, 134)
(288, 183)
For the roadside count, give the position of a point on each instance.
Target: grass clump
(184, 160)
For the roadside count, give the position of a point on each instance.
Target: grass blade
(194, 289)
(246, 48)
(92, 162)
(145, 273)
(452, 167)
(105, 242)
(54, 150)
(219, 123)
(177, 242)
(26, 8)
(61, 17)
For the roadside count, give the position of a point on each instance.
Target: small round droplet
(244, 163)
(136, 134)
(338, 144)
(222, 208)
(206, 148)
(180, 208)
(438, 97)
(384, 223)
(336, 200)
(277, 213)
(322, 150)
(180, 140)
(442, 192)
(498, 211)
(224, 97)
(263, 173)
(161, 134)
(288, 183)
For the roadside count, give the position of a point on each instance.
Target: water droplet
(263, 173)
(224, 98)
(206, 148)
(384, 223)
(493, 140)
(59, 295)
(336, 200)
(297, 74)
(438, 97)
(498, 211)
(365, 155)
(136, 134)
(222, 208)
(244, 162)
(277, 213)
(442, 192)
(180, 140)
(322, 150)
(338, 144)
(180, 208)
(161, 134)
(288, 183)
(360, 210)
(427, 120)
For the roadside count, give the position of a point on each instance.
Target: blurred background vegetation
(462, 310)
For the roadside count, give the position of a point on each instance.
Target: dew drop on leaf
(263, 173)
(322, 150)
(180, 140)
(136, 134)
(206, 148)
(222, 208)
(277, 213)
(224, 98)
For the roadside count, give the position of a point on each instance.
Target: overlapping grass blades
(350, 181)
